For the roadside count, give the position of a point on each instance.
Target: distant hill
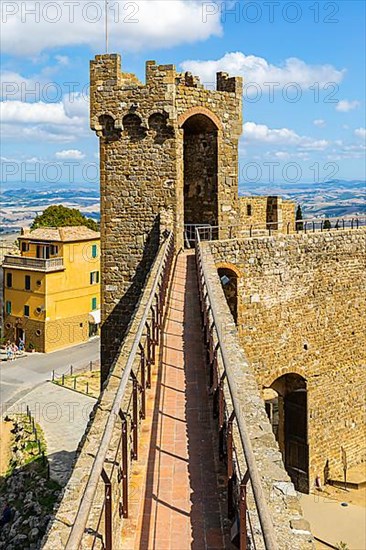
(331, 198)
(21, 202)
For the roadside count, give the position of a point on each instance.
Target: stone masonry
(168, 156)
(301, 301)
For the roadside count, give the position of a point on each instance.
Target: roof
(61, 234)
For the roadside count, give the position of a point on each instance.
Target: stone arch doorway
(200, 170)
(286, 406)
(229, 283)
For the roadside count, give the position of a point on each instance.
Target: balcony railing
(33, 264)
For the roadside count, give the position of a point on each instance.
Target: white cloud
(14, 85)
(319, 122)
(257, 70)
(261, 133)
(64, 121)
(70, 154)
(132, 25)
(343, 106)
(287, 155)
(35, 113)
(62, 59)
(361, 133)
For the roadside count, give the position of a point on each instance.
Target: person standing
(21, 344)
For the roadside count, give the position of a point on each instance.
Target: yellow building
(52, 290)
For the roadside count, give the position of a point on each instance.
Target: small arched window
(108, 127)
(132, 124)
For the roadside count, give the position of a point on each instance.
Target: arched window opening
(109, 131)
(158, 123)
(229, 283)
(286, 407)
(200, 171)
(132, 124)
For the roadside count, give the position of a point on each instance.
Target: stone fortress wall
(264, 213)
(169, 157)
(301, 309)
(153, 158)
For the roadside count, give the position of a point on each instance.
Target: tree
(58, 215)
(327, 224)
(299, 218)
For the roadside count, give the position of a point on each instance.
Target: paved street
(19, 377)
(63, 415)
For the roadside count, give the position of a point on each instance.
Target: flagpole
(106, 26)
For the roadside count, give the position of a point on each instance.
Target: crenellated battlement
(106, 70)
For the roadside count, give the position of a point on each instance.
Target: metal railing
(36, 264)
(190, 233)
(114, 471)
(237, 481)
(307, 225)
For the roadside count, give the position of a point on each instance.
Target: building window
(94, 251)
(25, 247)
(94, 304)
(94, 277)
(8, 308)
(26, 311)
(27, 282)
(249, 209)
(9, 280)
(54, 249)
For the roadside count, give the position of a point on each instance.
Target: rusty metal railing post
(143, 380)
(230, 469)
(107, 510)
(213, 366)
(124, 469)
(149, 358)
(135, 417)
(243, 512)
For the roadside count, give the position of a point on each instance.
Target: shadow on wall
(115, 326)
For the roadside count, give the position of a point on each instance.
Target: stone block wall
(291, 531)
(146, 163)
(263, 213)
(66, 515)
(301, 309)
(288, 216)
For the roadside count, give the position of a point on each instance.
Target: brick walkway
(180, 505)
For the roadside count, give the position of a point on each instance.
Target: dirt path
(5, 439)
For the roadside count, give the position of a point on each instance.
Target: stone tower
(168, 157)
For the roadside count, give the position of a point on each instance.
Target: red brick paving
(177, 505)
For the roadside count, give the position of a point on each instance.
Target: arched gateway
(200, 164)
(286, 406)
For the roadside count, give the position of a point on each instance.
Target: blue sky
(303, 64)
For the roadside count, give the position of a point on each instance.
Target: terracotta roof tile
(62, 234)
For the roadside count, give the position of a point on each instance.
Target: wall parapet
(301, 310)
(95, 499)
(290, 530)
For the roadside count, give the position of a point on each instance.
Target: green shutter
(8, 307)
(94, 251)
(94, 303)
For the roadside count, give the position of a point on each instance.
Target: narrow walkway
(183, 503)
